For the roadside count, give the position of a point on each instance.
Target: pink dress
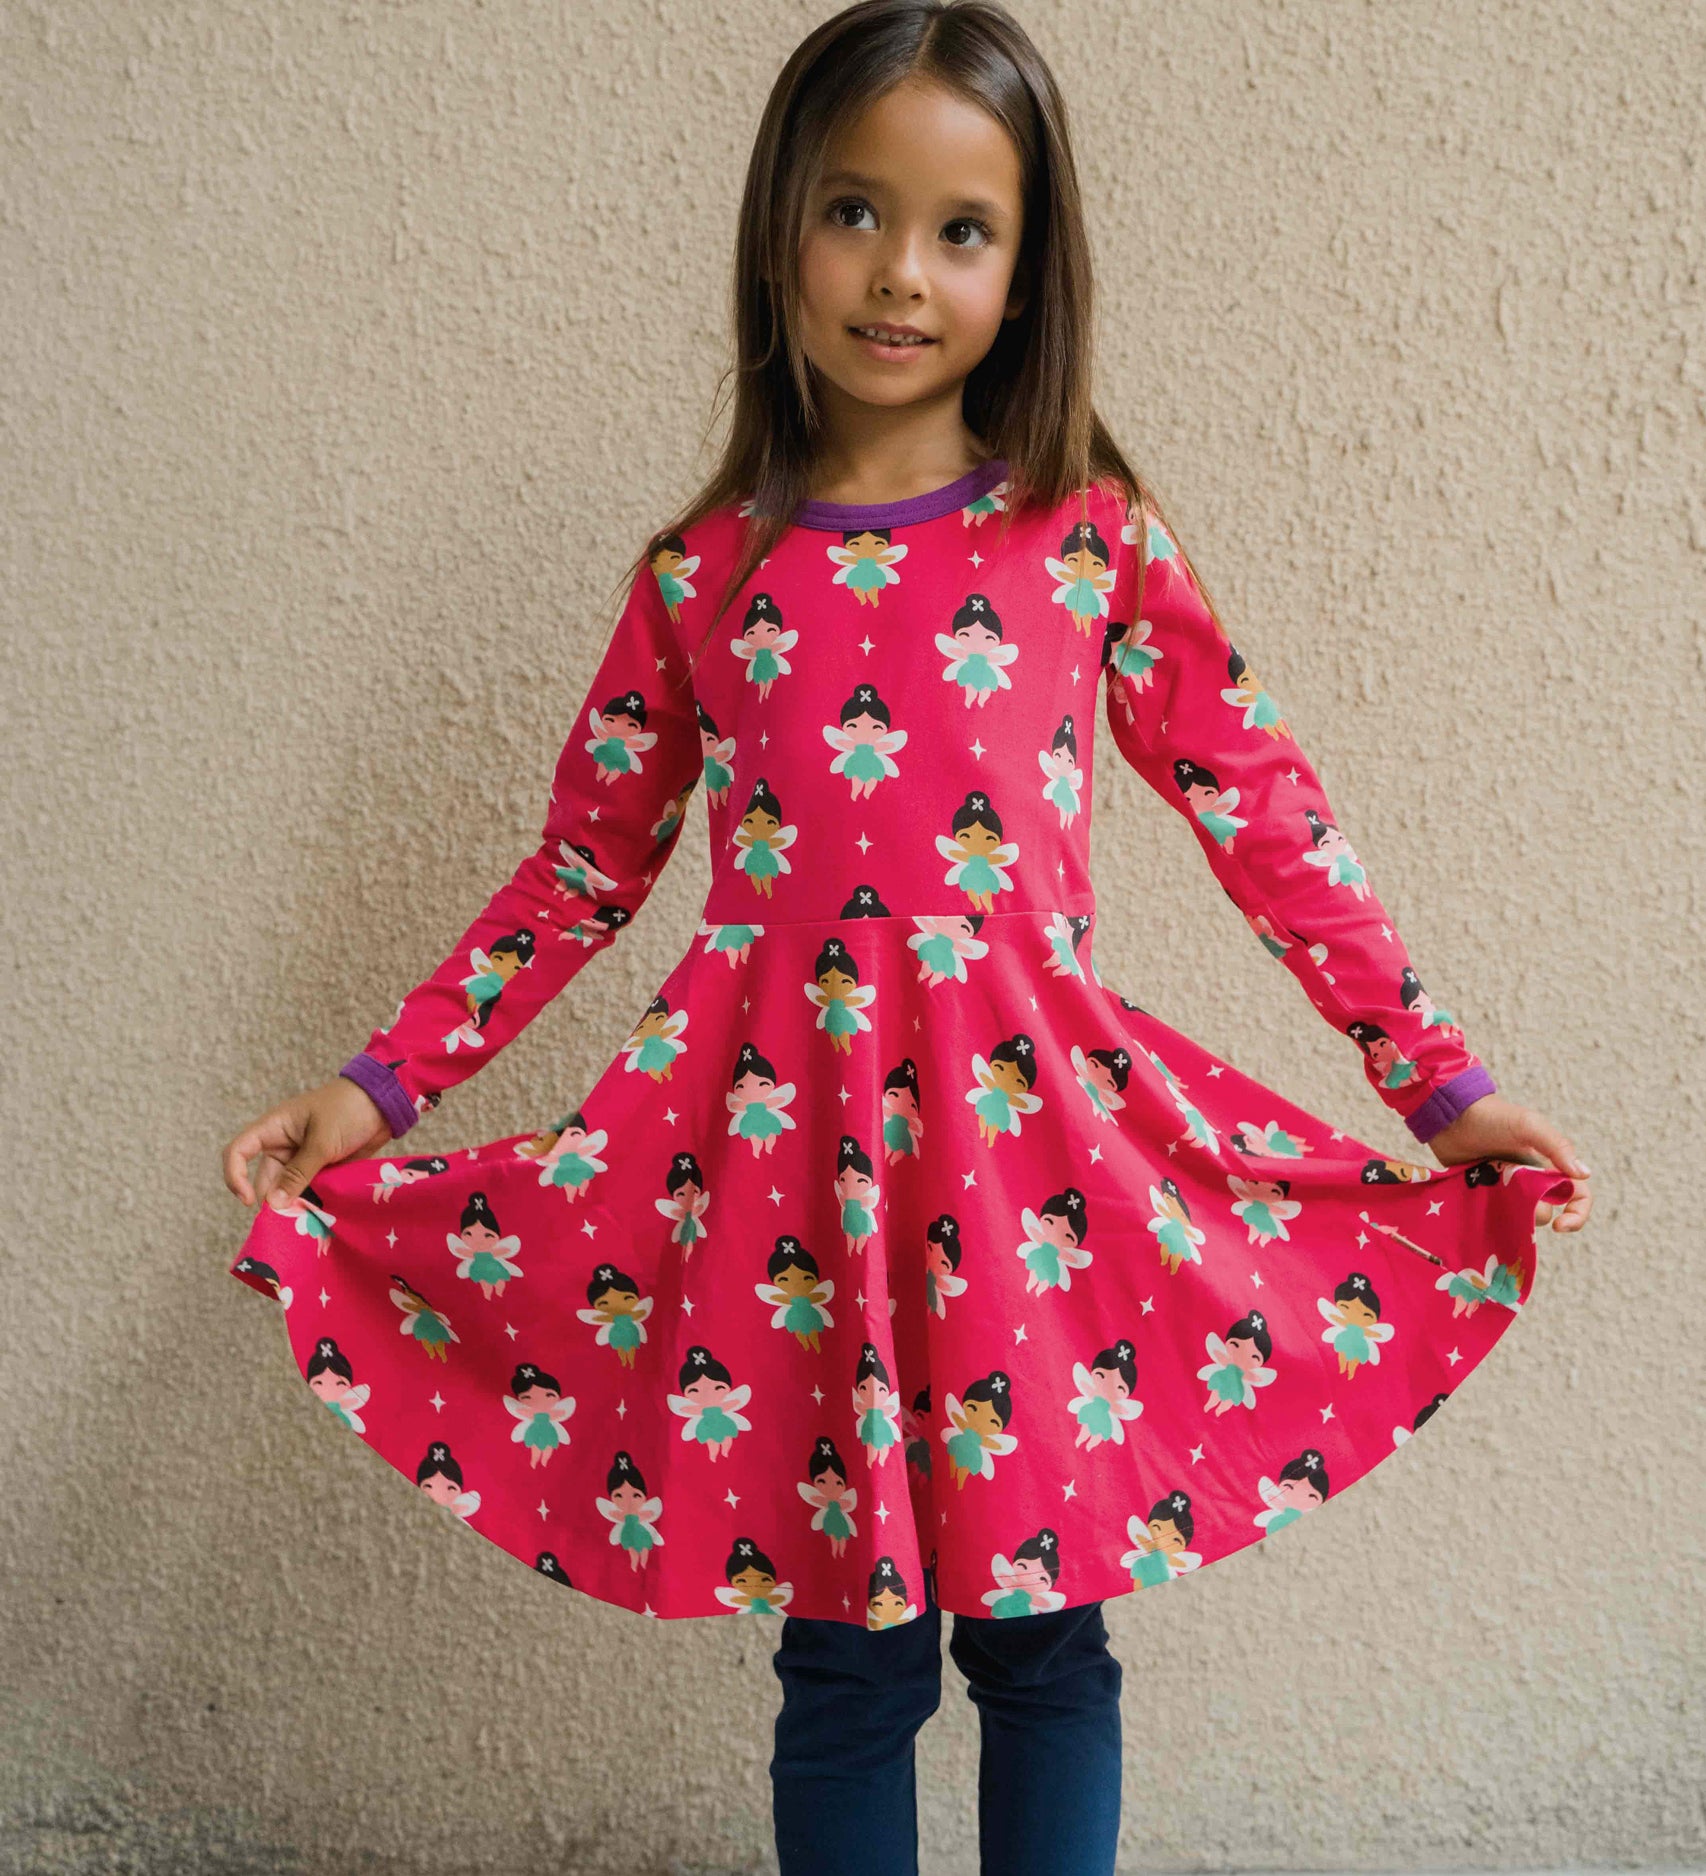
(894, 1235)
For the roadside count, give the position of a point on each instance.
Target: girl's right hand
(299, 1136)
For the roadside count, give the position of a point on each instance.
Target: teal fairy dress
(634, 1533)
(1097, 1414)
(714, 1425)
(1152, 1568)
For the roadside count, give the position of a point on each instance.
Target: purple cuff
(391, 1097)
(1449, 1100)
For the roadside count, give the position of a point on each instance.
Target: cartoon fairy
(832, 1498)
(672, 563)
(251, 1268)
(795, 1292)
(941, 1265)
(567, 1154)
(440, 1477)
(1301, 1486)
(1062, 936)
(1085, 577)
(1401, 1434)
(976, 1434)
(618, 1311)
(752, 1588)
(428, 1326)
(1209, 802)
(1415, 999)
(1354, 1329)
(731, 941)
(579, 876)
(655, 1041)
(332, 1380)
(619, 736)
(308, 1213)
(903, 1125)
(1329, 850)
(979, 854)
(858, 1192)
(1103, 1075)
(1246, 693)
(1130, 660)
(687, 1203)
(886, 1601)
(1104, 1403)
(709, 1403)
(762, 839)
(764, 643)
(864, 743)
(1469, 1289)
(537, 1401)
(483, 986)
(943, 943)
(1268, 1140)
(1053, 1242)
(1001, 1092)
(915, 1431)
(393, 1174)
(977, 658)
(1388, 1066)
(867, 558)
(1176, 1237)
(1158, 1552)
(633, 1516)
(991, 502)
(839, 997)
(1063, 779)
(876, 1407)
(1264, 1206)
(1139, 525)
(1026, 1585)
(483, 1255)
(1237, 1364)
(758, 1108)
(717, 754)
(1199, 1129)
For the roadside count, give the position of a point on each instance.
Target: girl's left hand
(1494, 1128)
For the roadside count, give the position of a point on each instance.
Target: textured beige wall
(346, 352)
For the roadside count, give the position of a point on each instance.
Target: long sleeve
(618, 804)
(1194, 719)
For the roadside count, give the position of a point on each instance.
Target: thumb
(301, 1167)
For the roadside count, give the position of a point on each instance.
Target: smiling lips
(892, 335)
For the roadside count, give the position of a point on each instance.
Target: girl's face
(916, 220)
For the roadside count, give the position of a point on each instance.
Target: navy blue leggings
(1048, 1698)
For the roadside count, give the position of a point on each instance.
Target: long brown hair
(1029, 399)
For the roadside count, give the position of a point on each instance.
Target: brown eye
(978, 227)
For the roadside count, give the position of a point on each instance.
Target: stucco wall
(347, 352)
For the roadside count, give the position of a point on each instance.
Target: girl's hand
(1494, 1128)
(299, 1136)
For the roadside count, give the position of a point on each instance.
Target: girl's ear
(1018, 290)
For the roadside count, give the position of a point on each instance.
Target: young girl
(878, 635)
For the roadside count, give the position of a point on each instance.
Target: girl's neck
(877, 475)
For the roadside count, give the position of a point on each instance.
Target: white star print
(731, 1498)
(1148, 1304)
(817, 1395)
(1018, 1335)
(1069, 1490)
(324, 1299)
(544, 1509)
(1326, 1413)
(862, 843)
(774, 1196)
(437, 1401)
(391, 1239)
(1196, 1454)
(1256, 1278)
(687, 1305)
(883, 1513)
(1454, 1358)
(511, 1330)
(977, 749)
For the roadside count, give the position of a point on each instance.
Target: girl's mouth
(879, 345)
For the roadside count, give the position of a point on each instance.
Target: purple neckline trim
(848, 517)
(1449, 1100)
(389, 1094)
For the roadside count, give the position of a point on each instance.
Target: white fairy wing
(516, 1408)
(1271, 1493)
(1330, 1310)
(842, 556)
(1005, 854)
(1218, 1352)
(772, 1294)
(1380, 1332)
(999, 1566)
(651, 1509)
(837, 738)
(466, 1504)
(680, 1404)
(1260, 1377)
(607, 1508)
(357, 1396)
(1060, 570)
(782, 1595)
(1081, 1379)
(1031, 1225)
(1185, 1560)
(1002, 655)
(689, 565)
(999, 1443)
(955, 1412)
(737, 1397)
(479, 960)
(810, 1494)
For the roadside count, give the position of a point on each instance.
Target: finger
(305, 1162)
(1547, 1139)
(1574, 1213)
(238, 1153)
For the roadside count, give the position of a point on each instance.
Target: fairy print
(1264, 1206)
(617, 1310)
(1178, 1240)
(394, 1174)
(832, 1498)
(1237, 1364)
(1199, 1129)
(671, 563)
(1084, 575)
(758, 1107)
(1497, 1282)
(976, 1434)
(540, 1408)
(732, 942)
(795, 1293)
(1387, 1064)
(566, 1154)
(483, 986)
(763, 840)
(887, 1604)
(1354, 1329)
(619, 737)
(1382, 1171)
(1209, 802)
(421, 1322)
(864, 741)
(1268, 1139)
(903, 1124)
(1063, 934)
(655, 1044)
(943, 945)
(440, 1477)
(1104, 1404)
(764, 644)
(1300, 1487)
(991, 502)
(307, 1214)
(1329, 850)
(1000, 1095)
(331, 1379)
(1159, 1542)
(1401, 1435)
(1248, 696)
(840, 999)
(483, 1254)
(686, 1203)
(979, 854)
(1130, 658)
(261, 1276)
(1053, 1244)
(752, 1588)
(709, 1403)
(978, 658)
(576, 873)
(1063, 779)
(857, 1191)
(941, 1265)
(915, 1432)
(867, 559)
(1415, 999)
(876, 1407)
(633, 1515)
(1026, 1585)
(717, 755)
(1103, 1075)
